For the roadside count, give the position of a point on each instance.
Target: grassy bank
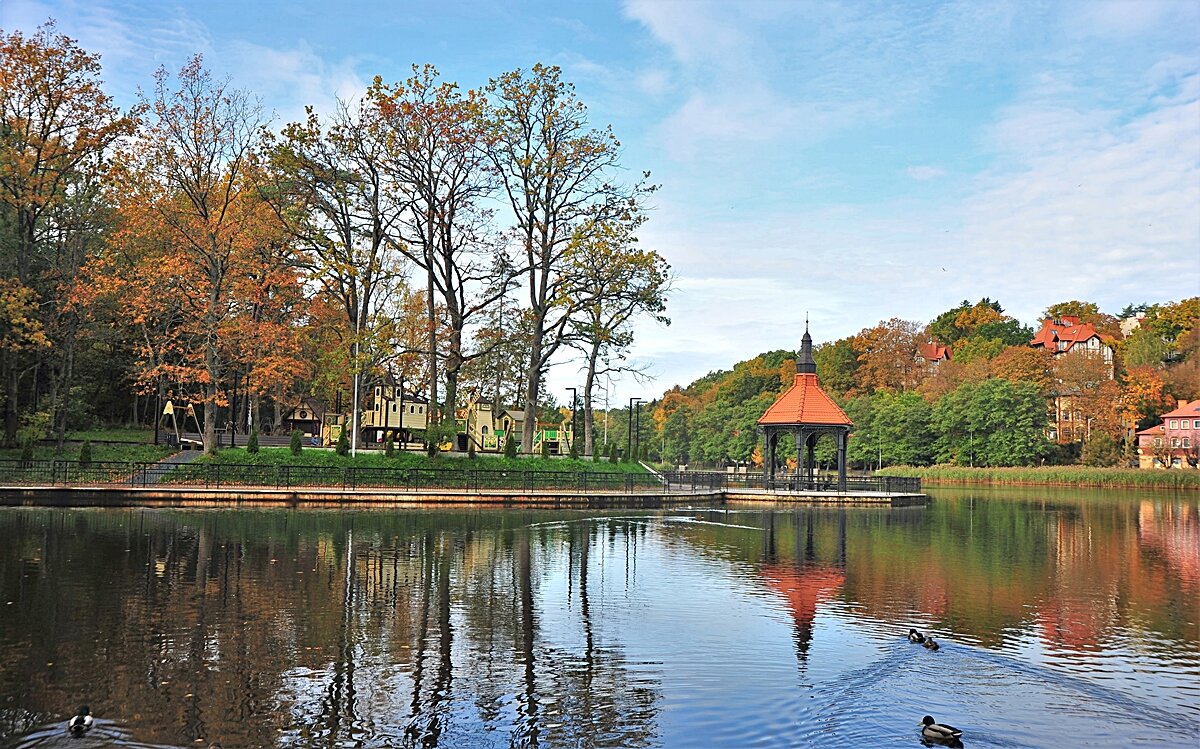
(1052, 476)
(280, 456)
(117, 453)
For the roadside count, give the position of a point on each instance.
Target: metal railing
(218, 475)
(792, 482)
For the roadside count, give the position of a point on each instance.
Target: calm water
(1066, 620)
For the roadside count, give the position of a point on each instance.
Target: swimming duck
(915, 636)
(82, 720)
(931, 644)
(939, 731)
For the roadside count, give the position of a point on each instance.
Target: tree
(1144, 396)
(56, 129)
(295, 444)
(252, 441)
(900, 422)
(331, 192)
(1144, 347)
(837, 364)
(1025, 364)
(610, 282)
(555, 172)
(434, 154)
(189, 192)
(992, 423)
(887, 358)
(1087, 312)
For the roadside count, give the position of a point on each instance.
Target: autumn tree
(887, 358)
(330, 189)
(434, 155)
(612, 282)
(56, 129)
(556, 173)
(189, 193)
(837, 364)
(1087, 312)
(1025, 364)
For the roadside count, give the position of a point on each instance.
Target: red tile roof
(805, 403)
(1066, 329)
(1187, 410)
(933, 351)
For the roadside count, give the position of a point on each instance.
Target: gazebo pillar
(843, 439)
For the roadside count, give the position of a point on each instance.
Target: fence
(793, 482)
(217, 475)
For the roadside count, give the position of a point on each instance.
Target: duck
(82, 720)
(939, 731)
(915, 636)
(931, 644)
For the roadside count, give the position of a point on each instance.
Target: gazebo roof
(805, 402)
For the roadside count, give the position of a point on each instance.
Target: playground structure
(488, 429)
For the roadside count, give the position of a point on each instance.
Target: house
(1067, 336)
(1173, 443)
(931, 354)
(393, 412)
(306, 417)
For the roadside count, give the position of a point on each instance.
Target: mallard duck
(930, 643)
(915, 636)
(82, 720)
(939, 731)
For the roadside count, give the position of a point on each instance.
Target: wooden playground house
(488, 428)
(396, 414)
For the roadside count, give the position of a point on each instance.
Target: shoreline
(317, 497)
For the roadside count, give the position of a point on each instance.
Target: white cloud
(293, 78)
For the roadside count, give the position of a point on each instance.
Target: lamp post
(574, 400)
(354, 403)
(638, 428)
(629, 431)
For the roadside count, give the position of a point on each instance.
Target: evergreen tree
(252, 441)
(510, 446)
(295, 444)
(85, 454)
(389, 447)
(343, 444)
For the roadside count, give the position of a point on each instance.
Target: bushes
(296, 443)
(1051, 476)
(85, 454)
(343, 444)
(252, 442)
(510, 446)
(389, 447)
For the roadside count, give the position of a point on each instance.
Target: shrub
(574, 448)
(26, 450)
(252, 441)
(613, 457)
(85, 454)
(343, 444)
(1101, 450)
(545, 449)
(389, 447)
(510, 446)
(296, 444)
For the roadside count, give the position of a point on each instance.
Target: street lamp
(354, 403)
(574, 399)
(629, 431)
(638, 428)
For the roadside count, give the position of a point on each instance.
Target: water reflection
(727, 627)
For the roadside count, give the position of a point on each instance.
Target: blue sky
(853, 160)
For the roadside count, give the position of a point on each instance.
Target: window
(1174, 423)
(1174, 442)
(1185, 424)
(1158, 441)
(485, 430)
(1187, 441)
(393, 408)
(1066, 416)
(1066, 433)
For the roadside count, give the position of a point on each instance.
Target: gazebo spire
(805, 364)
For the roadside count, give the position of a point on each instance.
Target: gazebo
(805, 412)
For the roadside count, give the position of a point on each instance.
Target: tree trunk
(533, 378)
(588, 416)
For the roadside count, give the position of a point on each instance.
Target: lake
(1066, 618)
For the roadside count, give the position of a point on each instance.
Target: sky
(846, 161)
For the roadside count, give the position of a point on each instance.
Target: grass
(124, 453)
(134, 435)
(1052, 476)
(308, 457)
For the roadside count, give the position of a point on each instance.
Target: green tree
(252, 441)
(1101, 450)
(343, 444)
(1144, 348)
(901, 422)
(85, 454)
(510, 446)
(389, 446)
(295, 445)
(991, 423)
(836, 364)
